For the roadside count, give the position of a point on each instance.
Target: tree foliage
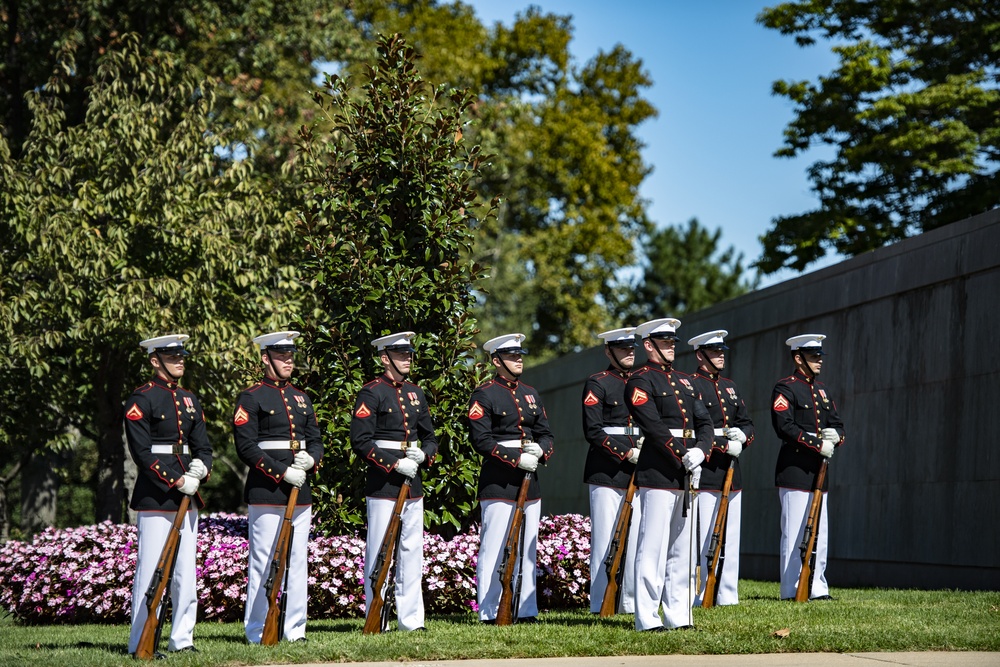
(388, 224)
(252, 49)
(686, 272)
(568, 163)
(125, 225)
(912, 111)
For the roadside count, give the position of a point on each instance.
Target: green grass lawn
(858, 620)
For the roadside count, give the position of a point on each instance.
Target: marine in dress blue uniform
(278, 438)
(510, 429)
(678, 437)
(614, 443)
(806, 421)
(392, 432)
(165, 430)
(734, 432)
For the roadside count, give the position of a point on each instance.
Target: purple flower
(84, 575)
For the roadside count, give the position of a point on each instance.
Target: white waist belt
(169, 449)
(622, 430)
(397, 444)
(682, 432)
(293, 445)
(509, 443)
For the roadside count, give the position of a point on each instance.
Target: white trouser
(409, 561)
(497, 515)
(265, 522)
(605, 502)
(663, 573)
(794, 515)
(706, 507)
(153, 530)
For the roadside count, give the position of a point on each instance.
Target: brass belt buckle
(689, 433)
(293, 445)
(404, 445)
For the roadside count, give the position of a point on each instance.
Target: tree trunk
(39, 490)
(4, 504)
(109, 499)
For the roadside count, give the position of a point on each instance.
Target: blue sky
(712, 146)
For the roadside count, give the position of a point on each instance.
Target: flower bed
(84, 575)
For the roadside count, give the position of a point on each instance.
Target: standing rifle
(510, 590)
(159, 587)
(808, 546)
(614, 563)
(377, 618)
(715, 546)
(691, 496)
(275, 619)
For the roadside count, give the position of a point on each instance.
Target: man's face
(399, 360)
(168, 366)
(813, 361)
(660, 350)
(281, 364)
(623, 356)
(512, 366)
(712, 357)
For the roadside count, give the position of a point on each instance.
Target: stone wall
(914, 366)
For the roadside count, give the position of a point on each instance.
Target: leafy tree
(568, 165)
(912, 112)
(388, 224)
(125, 225)
(686, 272)
(251, 48)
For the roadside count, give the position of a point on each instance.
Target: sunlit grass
(859, 620)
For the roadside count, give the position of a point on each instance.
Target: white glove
(696, 477)
(532, 448)
(406, 467)
(303, 461)
(830, 434)
(734, 448)
(197, 469)
(528, 462)
(638, 443)
(296, 477)
(693, 458)
(736, 434)
(189, 485)
(633, 455)
(416, 455)
(827, 448)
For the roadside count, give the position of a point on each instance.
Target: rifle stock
(374, 621)
(809, 536)
(512, 557)
(617, 553)
(279, 565)
(715, 545)
(146, 648)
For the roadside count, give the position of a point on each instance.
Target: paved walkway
(915, 659)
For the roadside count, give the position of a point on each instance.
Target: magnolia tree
(388, 221)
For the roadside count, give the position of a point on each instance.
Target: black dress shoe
(528, 619)
(489, 621)
(822, 597)
(420, 629)
(656, 629)
(300, 640)
(187, 649)
(684, 627)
